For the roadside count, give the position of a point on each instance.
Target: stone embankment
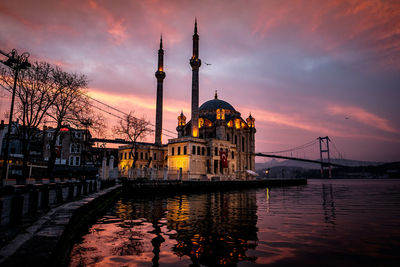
(48, 240)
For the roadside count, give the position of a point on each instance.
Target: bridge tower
(325, 156)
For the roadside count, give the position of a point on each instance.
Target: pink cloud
(363, 116)
(116, 27)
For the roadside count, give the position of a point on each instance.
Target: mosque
(216, 144)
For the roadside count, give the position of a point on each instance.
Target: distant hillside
(308, 165)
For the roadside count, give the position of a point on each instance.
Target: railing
(24, 201)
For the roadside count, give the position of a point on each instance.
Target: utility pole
(324, 150)
(17, 63)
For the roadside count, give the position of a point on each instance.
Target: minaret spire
(160, 75)
(195, 63)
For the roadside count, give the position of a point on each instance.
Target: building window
(78, 135)
(141, 155)
(208, 151)
(242, 144)
(75, 148)
(146, 156)
(74, 160)
(130, 155)
(179, 150)
(193, 150)
(136, 155)
(235, 139)
(202, 151)
(216, 151)
(233, 155)
(155, 156)
(120, 156)
(173, 151)
(198, 150)
(228, 137)
(125, 155)
(184, 150)
(48, 134)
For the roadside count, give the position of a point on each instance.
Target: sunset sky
(302, 68)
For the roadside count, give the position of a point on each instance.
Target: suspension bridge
(320, 145)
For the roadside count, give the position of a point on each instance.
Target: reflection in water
(357, 224)
(328, 204)
(215, 229)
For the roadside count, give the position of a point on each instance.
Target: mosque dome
(214, 104)
(211, 108)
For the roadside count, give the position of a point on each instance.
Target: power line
(122, 112)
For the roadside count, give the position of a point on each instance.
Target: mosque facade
(215, 144)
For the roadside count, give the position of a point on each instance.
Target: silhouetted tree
(134, 129)
(71, 107)
(35, 93)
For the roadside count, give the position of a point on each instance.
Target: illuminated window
(220, 114)
(237, 123)
(201, 122)
(230, 123)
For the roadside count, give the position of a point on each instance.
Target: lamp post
(17, 63)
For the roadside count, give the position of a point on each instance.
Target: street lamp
(17, 63)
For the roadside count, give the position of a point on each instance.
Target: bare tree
(134, 129)
(70, 107)
(36, 92)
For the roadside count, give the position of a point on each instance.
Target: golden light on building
(230, 123)
(181, 119)
(237, 123)
(250, 121)
(221, 114)
(201, 122)
(195, 132)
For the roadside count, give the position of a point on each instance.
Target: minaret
(195, 63)
(160, 75)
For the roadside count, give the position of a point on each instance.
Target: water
(327, 222)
